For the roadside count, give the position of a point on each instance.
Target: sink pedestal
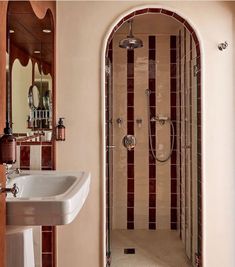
(19, 246)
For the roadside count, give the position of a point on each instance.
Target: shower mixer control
(129, 141)
(160, 119)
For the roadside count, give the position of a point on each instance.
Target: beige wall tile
(120, 218)
(35, 157)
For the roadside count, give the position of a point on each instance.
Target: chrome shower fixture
(161, 119)
(130, 42)
(222, 46)
(129, 141)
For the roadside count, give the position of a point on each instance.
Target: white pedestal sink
(47, 197)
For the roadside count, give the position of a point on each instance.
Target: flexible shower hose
(148, 92)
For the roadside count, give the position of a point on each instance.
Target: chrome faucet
(14, 189)
(10, 171)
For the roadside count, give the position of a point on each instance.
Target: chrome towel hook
(222, 46)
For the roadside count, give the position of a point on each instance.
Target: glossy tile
(24, 157)
(46, 157)
(35, 157)
(47, 242)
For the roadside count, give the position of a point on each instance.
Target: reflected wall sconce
(60, 130)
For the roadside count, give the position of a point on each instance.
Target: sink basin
(47, 197)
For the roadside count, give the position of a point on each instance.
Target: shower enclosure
(153, 95)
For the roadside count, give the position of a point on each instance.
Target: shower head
(130, 42)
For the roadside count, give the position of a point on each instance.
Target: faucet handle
(18, 171)
(10, 170)
(13, 190)
(8, 167)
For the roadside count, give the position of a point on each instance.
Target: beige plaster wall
(81, 30)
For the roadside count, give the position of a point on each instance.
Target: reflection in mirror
(40, 101)
(31, 66)
(21, 81)
(33, 97)
(32, 100)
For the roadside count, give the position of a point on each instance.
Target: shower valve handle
(129, 141)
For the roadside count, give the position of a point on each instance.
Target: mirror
(33, 97)
(31, 57)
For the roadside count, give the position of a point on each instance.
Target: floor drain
(129, 250)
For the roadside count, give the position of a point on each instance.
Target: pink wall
(80, 79)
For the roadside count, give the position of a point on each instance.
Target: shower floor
(160, 248)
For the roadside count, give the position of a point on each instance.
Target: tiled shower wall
(142, 186)
(150, 194)
(39, 156)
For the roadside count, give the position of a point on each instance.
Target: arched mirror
(33, 97)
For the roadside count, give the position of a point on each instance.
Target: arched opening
(153, 187)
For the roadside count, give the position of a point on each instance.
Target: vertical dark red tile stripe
(47, 260)
(48, 232)
(152, 162)
(130, 130)
(48, 246)
(173, 108)
(25, 157)
(47, 242)
(46, 157)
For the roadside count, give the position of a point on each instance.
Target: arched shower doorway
(142, 195)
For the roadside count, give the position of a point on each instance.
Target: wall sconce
(60, 130)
